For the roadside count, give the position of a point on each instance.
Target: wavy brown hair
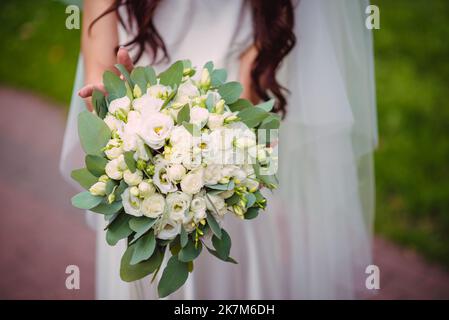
(273, 22)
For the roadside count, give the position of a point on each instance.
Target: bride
(314, 240)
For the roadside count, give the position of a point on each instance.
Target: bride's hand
(85, 92)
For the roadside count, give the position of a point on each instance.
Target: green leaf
(183, 114)
(183, 237)
(267, 105)
(175, 246)
(140, 225)
(119, 190)
(251, 199)
(96, 164)
(144, 248)
(190, 252)
(209, 66)
(230, 91)
(173, 75)
(222, 245)
(213, 224)
(129, 272)
(251, 213)
(174, 276)
(129, 160)
(210, 102)
(150, 75)
(142, 76)
(114, 85)
(234, 199)
(118, 229)
(218, 77)
(84, 177)
(227, 186)
(108, 209)
(271, 122)
(85, 200)
(93, 132)
(214, 253)
(240, 104)
(252, 116)
(192, 128)
(99, 103)
(125, 73)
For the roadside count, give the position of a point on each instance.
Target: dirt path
(41, 234)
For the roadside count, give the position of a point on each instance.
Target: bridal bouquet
(168, 156)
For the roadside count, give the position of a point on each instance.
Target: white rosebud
(123, 104)
(137, 93)
(198, 115)
(176, 172)
(146, 188)
(147, 103)
(131, 203)
(113, 123)
(114, 149)
(219, 107)
(115, 168)
(159, 91)
(215, 121)
(205, 78)
(153, 206)
(98, 189)
(192, 183)
(134, 191)
(133, 179)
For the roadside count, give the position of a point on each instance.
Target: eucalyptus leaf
(129, 272)
(192, 129)
(140, 225)
(108, 209)
(175, 246)
(251, 213)
(214, 253)
(240, 104)
(183, 114)
(174, 276)
(173, 75)
(230, 91)
(271, 122)
(251, 199)
(252, 116)
(85, 200)
(218, 77)
(234, 199)
(93, 132)
(115, 86)
(144, 248)
(118, 229)
(84, 177)
(96, 164)
(129, 160)
(142, 76)
(119, 190)
(99, 103)
(210, 102)
(222, 245)
(213, 224)
(267, 105)
(209, 66)
(150, 75)
(190, 252)
(183, 237)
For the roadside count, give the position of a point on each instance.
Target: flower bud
(224, 180)
(205, 78)
(238, 210)
(141, 164)
(104, 178)
(121, 115)
(146, 189)
(137, 93)
(98, 189)
(134, 191)
(150, 169)
(133, 178)
(219, 107)
(111, 198)
(231, 118)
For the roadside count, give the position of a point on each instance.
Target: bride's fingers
(87, 90)
(124, 58)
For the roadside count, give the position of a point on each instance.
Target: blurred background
(39, 235)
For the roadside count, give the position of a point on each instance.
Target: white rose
(192, 183)
(114, 149)
(168, 230)
(133, 179)
(153, 206)
(175, 172)
(161, 180)
(131, 204)
(159, 91)
(180, 137)
(188, 89)
(215, 202)
(115, 168)
(113, 123)
(147, 103)
(178, 204)
(98, 189)
(120, 104)
(198, 207)
(215, 121)
(155, 129)
(146, 188)
(198, 115)
(212, 174)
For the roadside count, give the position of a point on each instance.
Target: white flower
(192, 182)
(153, 206)
(114, 149)
(198, 207)
(159, 91)
(161, 180)
(146, 188)
(147, 103)
(212, 174)
(123, 104)
(180, 137)
(252, 185)
(115, 168)
(175, 172)
(133, 179)
(98, 189)
(216, 204)
(155, 129)
(113, 123)
(199, 116)
(205, 78)
(215, 121)
(178, 204)
(131, 203)
(168, 230)
(186, 91)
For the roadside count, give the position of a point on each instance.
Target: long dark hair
(273, 22)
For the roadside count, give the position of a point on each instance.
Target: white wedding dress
(314, 240)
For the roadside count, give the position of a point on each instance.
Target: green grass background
(412, 69)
